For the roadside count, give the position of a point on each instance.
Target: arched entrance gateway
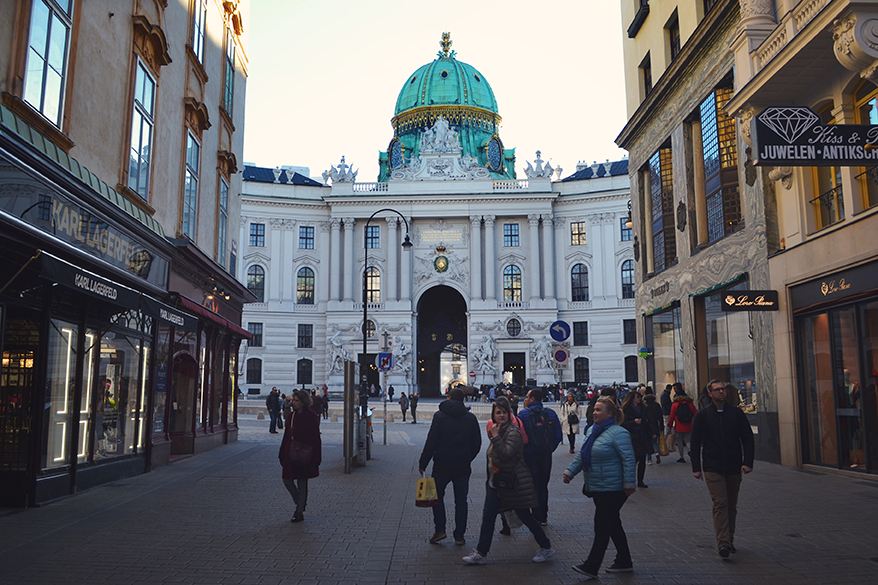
(441, 330)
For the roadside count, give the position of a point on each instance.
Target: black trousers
(607, 526)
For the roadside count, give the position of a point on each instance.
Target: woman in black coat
(637, 423)
(656, 424)
(303, 425)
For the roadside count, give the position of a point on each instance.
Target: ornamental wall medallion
(681, 216)
(440, 263)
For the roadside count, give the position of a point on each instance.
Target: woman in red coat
(303, 426)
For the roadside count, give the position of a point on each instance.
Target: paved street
(223, 517)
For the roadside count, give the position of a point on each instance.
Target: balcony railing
(829, 206)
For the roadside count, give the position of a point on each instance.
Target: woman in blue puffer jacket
(607, 460)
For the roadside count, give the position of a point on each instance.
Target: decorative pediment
(257, 257)
(151, 42)
(227, 161)
(306, 259)
(578, 257)
(231, 9)
(196, 115)
(511, 258)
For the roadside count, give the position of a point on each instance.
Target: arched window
(370, 328)
(628, 279)
(254, 371)
(373, 285)
(580, 370)
(305, 286)
(579, 282)
(304, 367)
(631, 369)
(512, 283)
(256, 282)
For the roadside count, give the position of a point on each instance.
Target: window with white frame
(199, 26)
(255, 330)
(45, 74)
(256, 282)
(579, 283)
(373, 234)
(257, 235)
(628, 279)
(142, 123)
(306, 237)
(190, 187)
(229, 85)
(510, 235)
(577, 233)
(373, 285)
(305, 286)
(512, 283)
(306, 335)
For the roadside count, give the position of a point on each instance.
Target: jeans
(461, 490)
(682, 442)
(299, 493)
(724, 493)
(541, 470)
(608, 525)
(489, 519)
(273, 425)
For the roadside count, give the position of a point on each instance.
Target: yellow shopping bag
(663, 446)
(426, 496)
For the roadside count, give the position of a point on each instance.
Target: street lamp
(406, 245)
(628, 220)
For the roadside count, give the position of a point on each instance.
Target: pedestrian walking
(571, 413)
(544, 436)
(722, 451)
(509, 487)
(607, 462)
(682, 413)
(325, 403)
(413, 401)
(403, 404)
(656, 425)
(316, 404)
(272, 404)
(637, 424)
(667, 401)
(505, 530)
(303, 427)
(453, 441)
(286, 408)
(390, 392)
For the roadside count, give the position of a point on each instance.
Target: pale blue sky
(324, 76)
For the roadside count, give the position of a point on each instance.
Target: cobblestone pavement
(223, 517)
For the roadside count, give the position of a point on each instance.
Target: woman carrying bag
(571, 413)
(300, 451)
(607, 460)
(509, 486)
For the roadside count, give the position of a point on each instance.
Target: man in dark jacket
(453, 442)
(722, 445)
(272, 403)
(539, 457)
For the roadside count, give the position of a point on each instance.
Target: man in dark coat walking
(272, 403)
(722, 446)
(453, 441)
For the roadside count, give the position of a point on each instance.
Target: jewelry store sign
(796, 136)
(750, 300)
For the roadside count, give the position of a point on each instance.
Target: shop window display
(183, 383)
(160, 395)
(92, 353)
(60, 388)
(730, 347)
(667, 358)
(119, 381)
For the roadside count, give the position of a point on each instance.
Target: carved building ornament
(227, 162)
(151, 42)
(538, 170)
(855, 43)
(782, 174)
(197, 116)
(681, 216)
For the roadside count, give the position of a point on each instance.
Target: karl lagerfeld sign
(795, 136)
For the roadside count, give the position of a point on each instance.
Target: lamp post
(406, 245)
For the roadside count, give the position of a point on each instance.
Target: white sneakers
(543, 555)
(475, 558)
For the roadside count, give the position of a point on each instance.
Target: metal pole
(385, 408)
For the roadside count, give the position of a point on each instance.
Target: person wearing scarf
(607, 462)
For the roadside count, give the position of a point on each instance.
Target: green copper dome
(457, 92)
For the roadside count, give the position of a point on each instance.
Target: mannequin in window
(852, 400)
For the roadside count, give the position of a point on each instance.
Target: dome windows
(413, 79)
(479, 79)
(444, 74)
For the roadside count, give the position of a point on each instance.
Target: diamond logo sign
(788, 122)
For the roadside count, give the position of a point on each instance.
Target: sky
(323, 77)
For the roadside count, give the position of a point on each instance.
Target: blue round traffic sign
(559, 330)
(560, 356)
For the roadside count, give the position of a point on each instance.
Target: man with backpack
(543, 437)
(682, 413)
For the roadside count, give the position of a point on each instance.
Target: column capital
(533, 218)
(348, 223)
(489, 220)
(335, 223)
(323, 226)
(475, 220)
(391, 220)
(560, 223)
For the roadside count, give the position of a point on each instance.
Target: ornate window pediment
(196, 115)
(227, 161)
(151, 41)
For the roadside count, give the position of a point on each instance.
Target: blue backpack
(540, 432)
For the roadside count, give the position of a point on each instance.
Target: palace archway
(442, 339)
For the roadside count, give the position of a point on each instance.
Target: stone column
(611, 275)
(349, 269)
(336, 258)
(560, 263)
(406, 272)
(290, 242)
(490, 259)
(548, 276)
(596, 274)
(475, 242)
(323, 255)
(533, 268)
(392, 254)
(275, 272)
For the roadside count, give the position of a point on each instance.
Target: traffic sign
(384, 361)
(472, 374)
(560, 330)
(560, 356)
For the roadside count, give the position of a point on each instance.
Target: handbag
(572, 419)
(663, 446)
(503, 480)
(425, 493)
(298, 454)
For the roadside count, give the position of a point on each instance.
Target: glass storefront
(729, 347)
(838, 357)
(667, 347)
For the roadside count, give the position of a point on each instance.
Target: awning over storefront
(722, 285)
(662, 309)
(169, 315)
(79, 279)
(211, 316)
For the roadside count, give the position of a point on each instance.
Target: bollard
(333, 418)
(389, 418)
(260, 416)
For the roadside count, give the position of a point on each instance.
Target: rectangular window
(581, 370)
(306, 336)
(577, 233)
(190, 188)
(646, 75)
(629, 331)
(723, 201)
(229, 85)
(257, 235)
(46, 68)
(306, 237)
(667, 360)
(199, 24)
(626, 231)
(580, 333)
(661, 184)
(142, 123)
(255, 330)
(510, 235)
(373, 234)
(223, 227)
(673, 29)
